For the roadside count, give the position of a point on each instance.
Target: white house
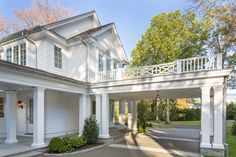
(52, 77)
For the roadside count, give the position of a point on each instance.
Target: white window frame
(9, 54)
(22, 54)
(57, 57)
(16, 57)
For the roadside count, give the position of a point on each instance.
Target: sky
(132, 17)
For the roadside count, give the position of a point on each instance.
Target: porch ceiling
(176, 93)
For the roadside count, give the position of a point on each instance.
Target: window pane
(57, 57)
(16, 54)
(1, 108)
(23, 54)
(9, 55)
(100, 62)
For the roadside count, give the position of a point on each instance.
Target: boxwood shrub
(69, 143)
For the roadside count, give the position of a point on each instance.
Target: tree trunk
(157, 117)
(168, 111)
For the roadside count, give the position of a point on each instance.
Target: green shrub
(91, 130)
(56, 145)
(233, 129)
(149, 125)
(73, 142)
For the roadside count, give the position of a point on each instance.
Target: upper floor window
(9, 55)
(115, 64)
(57, 57)
(100, 64)
(23, 54)
(1, 108)
(16, 54)
(108, 64)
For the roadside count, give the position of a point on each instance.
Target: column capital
(205, 87)
(40, 89)
(218, 88)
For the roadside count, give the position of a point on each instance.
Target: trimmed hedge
(69, 143)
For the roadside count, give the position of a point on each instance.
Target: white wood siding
(77, 27)
(77, 62)
(62, 114)
(93, 63)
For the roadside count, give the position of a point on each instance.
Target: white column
(122, 112)
(89, 106)
(130, 115)
(38, 119)
(218, 118)
(11, 117)
(105, 116)
(134, 116)
(82, 112)
(99, 112)
(205, 117)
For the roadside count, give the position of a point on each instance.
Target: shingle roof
(87, 33)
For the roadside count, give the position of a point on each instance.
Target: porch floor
(23, 145)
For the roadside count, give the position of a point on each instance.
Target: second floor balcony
(196, 64)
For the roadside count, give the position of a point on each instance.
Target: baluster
(194, 64)
(201, 63)
(191, 65)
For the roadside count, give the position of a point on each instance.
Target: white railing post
(119, 74)
(178, 66)
(219, 61)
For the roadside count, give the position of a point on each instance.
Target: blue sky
(132, 17)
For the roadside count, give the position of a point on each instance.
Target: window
(16, 54)
(31, 110)
(57, 57)
(115, 64)
(100, 62)
(1, 107)
(108, 64)
(9, 55)
(23, 54)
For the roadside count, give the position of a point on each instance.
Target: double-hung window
(1, 107)
(9, 55)
(57, 57)
(16, 54)
(23, 54)
(100, 64)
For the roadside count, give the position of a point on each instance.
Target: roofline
(39, 72)
(71, 19)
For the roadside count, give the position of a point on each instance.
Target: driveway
(165, 142)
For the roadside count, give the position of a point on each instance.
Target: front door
(30, 116)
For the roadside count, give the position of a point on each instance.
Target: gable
(75, 25)
(109, 39)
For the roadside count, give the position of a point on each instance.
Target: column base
(205, 145)
(38, 145)
(212, 152)
(218, 146)
(11, 141)
(104, 136)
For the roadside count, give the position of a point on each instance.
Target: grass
(230, 139)
(177, 123)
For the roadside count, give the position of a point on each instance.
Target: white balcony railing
(179, 66)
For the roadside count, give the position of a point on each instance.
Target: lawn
(230, 139)
(177, 123)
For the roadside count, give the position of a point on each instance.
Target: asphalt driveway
(164, 142)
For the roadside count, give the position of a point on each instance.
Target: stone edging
(72, 153)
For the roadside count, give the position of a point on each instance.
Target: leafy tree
(171, 36)
(39, 13)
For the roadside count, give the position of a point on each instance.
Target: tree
(222, 39)
(171, 36)
(40, 13)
